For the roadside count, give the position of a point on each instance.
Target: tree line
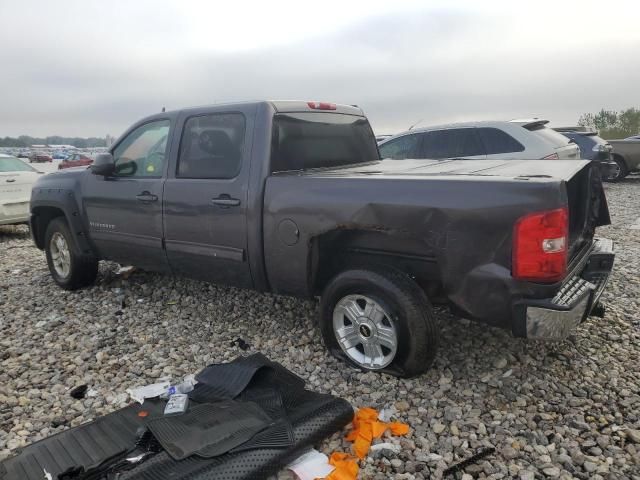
(612, 124)
(24, 141)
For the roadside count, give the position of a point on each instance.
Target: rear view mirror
(103, 165)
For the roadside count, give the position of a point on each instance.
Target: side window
(497, 141)
(142, 153)
(400, 148)
(211, 146)
(451, 143)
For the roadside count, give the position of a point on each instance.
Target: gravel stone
(551, 410)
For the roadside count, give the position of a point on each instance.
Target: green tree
(612, 124)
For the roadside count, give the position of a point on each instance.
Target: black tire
(622, 171)
(407, 305)
(83, 268)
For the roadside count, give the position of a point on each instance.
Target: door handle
(146, 197)
(225, 201)
(10, 180)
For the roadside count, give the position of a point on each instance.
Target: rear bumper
(555, 318)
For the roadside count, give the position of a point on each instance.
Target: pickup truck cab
(292, 198)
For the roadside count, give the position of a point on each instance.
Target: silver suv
(515, 139)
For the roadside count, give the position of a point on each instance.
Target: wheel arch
(343, 248)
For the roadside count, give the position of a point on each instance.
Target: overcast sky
(89, 68)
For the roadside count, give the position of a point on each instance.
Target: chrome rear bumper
(554, 319)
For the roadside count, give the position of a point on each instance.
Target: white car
(513, 140)
(16, 180)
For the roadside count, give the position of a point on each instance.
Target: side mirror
(104, 165)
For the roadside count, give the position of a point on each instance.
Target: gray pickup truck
(292, 198)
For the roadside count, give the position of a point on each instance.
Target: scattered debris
(138, 394)
(311, 465)
(78, 392)
(241, 344)
(367, 426)
(126, 272)
(458, 467)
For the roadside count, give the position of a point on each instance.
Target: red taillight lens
(322, 105)
(553, 156)
(540, 246)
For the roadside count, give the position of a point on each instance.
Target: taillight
(553, 156)
(322, 105)
(540, 246)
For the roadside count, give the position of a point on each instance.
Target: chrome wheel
(365, 331)
(60, 254)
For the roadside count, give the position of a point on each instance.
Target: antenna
(419, 121)
(162, 109)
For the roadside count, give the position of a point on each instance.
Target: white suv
(516, 139)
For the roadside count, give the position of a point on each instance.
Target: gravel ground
(567, 410)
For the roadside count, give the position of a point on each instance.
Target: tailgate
(588, 207)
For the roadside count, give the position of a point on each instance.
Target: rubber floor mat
(209, 429)
(228, 380)
(298, 420)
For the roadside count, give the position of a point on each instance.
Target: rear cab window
(308, 140)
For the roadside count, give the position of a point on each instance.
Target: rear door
(125, 211)
(205, 196)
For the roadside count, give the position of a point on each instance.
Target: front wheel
(379, 319)
(69, 268)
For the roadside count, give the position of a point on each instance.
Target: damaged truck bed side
(291, 197)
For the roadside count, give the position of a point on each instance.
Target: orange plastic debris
(346, 466)
(366, 427)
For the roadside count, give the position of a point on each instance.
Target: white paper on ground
(138, 394)
(311, 465)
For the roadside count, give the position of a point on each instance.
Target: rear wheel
(379, 319)
(619, 170)
(69, 268)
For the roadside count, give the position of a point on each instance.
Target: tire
(406, 310)
(82, 269)
(621, 172)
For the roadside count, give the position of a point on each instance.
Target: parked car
(515, 139)
(626, 153)
(59, 155)
(292, 198)
(40, 157)
(594, 148)
(633, 137)
(75, 160)
(23, 155)
(16, 180)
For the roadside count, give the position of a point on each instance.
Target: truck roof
(285, 106)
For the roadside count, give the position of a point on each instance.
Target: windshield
(319, 140)
(12, 164)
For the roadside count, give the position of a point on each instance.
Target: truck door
(205, 197)
(125, 211)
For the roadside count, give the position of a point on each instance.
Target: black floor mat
(209, 429)
(299, 420)
(227, 380)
